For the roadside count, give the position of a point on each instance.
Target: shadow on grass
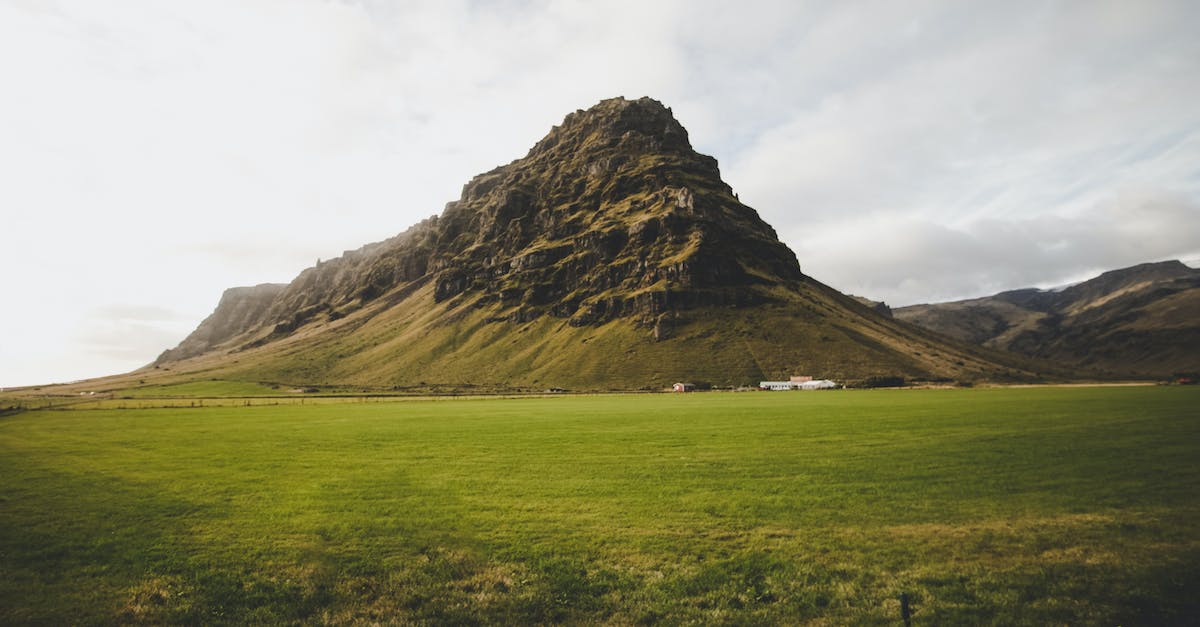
(94, 548)
(90, 547)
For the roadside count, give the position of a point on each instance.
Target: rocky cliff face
(240, 309)
(612, 214)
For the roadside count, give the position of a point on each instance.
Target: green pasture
(988, 506)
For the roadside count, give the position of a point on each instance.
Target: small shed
(683, 387)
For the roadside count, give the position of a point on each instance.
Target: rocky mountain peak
(612, 214)
(643, 124)
(610, 256)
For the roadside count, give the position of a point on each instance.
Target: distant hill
(1143, 320)
(612, 256)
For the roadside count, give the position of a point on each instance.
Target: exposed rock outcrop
(877, 306)
(240, 309)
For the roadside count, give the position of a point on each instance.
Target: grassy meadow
(986, 506)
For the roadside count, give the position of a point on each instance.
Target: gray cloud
(968, 148)
(896, 258)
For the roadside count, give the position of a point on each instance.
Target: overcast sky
(154, 153)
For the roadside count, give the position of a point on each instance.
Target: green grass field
(1007, 506)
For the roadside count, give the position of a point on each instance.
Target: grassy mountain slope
(1143, 320)
(422, 344)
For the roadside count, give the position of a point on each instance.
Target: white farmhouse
(817, 384)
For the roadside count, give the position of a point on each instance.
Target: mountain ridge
(1142, 320)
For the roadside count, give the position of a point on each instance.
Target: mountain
(1143, 320)
(611, 256)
